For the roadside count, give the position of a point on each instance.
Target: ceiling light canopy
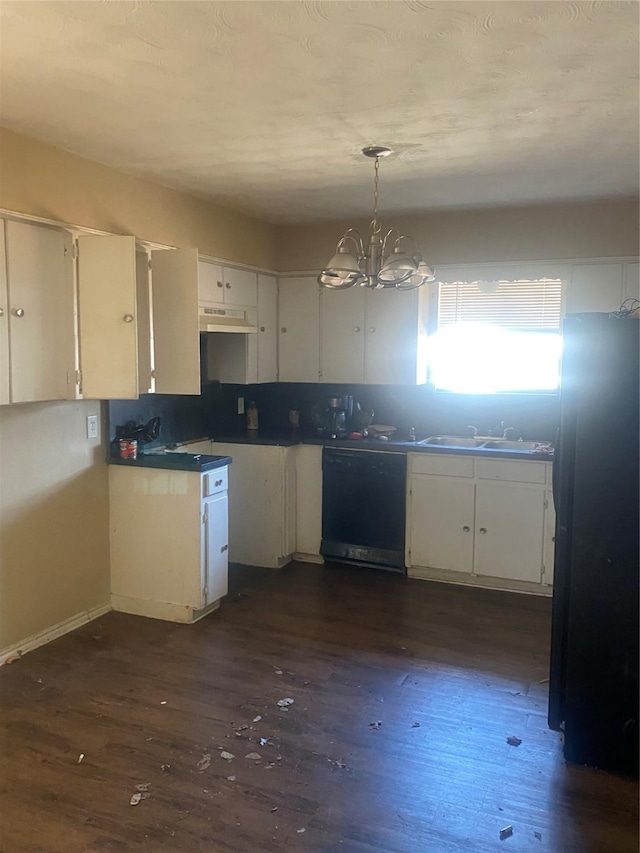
(389, 261)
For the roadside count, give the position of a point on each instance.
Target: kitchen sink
(452, 441)
(504, 444)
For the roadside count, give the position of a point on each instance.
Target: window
(497, 336)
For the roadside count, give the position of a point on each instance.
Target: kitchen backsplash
(215, 412)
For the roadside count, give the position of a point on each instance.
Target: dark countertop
(199, 463)
(287, 437)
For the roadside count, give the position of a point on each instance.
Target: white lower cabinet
(169, 541)
(262, 503)
(308, 459)
(482, 521)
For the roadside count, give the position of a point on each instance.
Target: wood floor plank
(444, 673)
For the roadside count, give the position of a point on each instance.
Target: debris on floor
(543, 681)
(135, 799)
(278, 672)
(507, 832)
(228, 756)
(514, 741)
(254, 756)
(205, 762)
(13, 658)
(257, 719)
(538, 835)
(283, 703)
(81, 758)
(231, 778)
(165, 767)
(376, 724)
(274, 809)
(415, 725)
(143, 787)
(164, 702)
(301, 830)
(264, 741)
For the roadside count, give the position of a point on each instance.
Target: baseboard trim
(458, 579)
(59, 630)
(302, 557)
(164, 610)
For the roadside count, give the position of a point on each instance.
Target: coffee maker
(340, 411)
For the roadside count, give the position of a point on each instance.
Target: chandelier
(389, 261)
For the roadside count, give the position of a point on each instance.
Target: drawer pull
(228, 286)
(128, 318)
(483, 530)
(224, 548)
(219, 283)
(466, 528)
(218, 483)
(19, 312)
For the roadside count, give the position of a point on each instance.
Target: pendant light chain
(375, 225)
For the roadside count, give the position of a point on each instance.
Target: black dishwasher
(363, 507)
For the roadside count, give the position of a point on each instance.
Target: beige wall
(54, 542)
(586, 230)
(44, 181)
(54, 514)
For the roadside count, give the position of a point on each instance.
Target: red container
(128, 448)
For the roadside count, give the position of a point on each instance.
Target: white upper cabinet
(227, 285)
(342, 350)
(146, 380)
(396, 337)
(176, 335)
(595, 287)
(267, 342)
(299, 325)
(40, 309)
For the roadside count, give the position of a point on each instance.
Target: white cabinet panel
(595, 287)
(631, 288)
(299, 324)
(309, 499)
(240, 287)
(40, 304)
(146, 383)
(4, 323)
(267, 328)
(210, 282)
(107, 317)
(509, 532)
(441, 523)
(216, 547)
(549, 548)
(342, 335)
(395, 337)
(176, 329)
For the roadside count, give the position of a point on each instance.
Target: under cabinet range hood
(213, 319)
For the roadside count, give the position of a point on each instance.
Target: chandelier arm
(407, 237)
(357, 240)
(386, 237)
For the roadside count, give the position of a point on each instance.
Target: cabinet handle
(219, 284)
(483, 530)
(224, 548)
(372, 328)
(283, 329)
(19, 312)
(228, 286)
(262, 328)
(128, 318)
(218, 483)
(356, 329)
(466, 528)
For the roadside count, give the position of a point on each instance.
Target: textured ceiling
(264, 106)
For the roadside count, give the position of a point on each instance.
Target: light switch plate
(241, 405)
(93, 430)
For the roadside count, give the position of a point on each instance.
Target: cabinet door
(145, 334)
(342, 335)
(107, 317)
(267, 328)
(299, 324)
(210, 282)
(392, 337)
(309, 499)
(631, 288)
(595, 287)
(4, 324)
(441, 523)
(240, 287)
(40, 286)
(509, 528)
(176, 330)
(216, 547)
(549, 547)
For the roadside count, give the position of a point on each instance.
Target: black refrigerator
(593, 685)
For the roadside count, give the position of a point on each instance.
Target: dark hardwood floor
(445, 673)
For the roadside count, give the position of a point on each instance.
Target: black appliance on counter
(593, 687)
(363, 507)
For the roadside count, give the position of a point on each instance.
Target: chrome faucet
(473, 428)
(508, 430)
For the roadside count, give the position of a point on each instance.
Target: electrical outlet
(92, 427)
(241, 405)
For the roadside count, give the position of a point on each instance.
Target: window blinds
(533, 305)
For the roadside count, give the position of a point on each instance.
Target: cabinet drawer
(515, 472)
(216, 481)
(446, 466)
